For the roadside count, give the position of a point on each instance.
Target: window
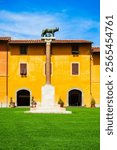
(23, 69)
(23, 50)
(50, 68)
(75, 49)
(75, 68)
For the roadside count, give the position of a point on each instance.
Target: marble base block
(48, 104)
(48, 95)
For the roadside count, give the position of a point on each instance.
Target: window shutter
(75, 69)
(23, 69)
(75, 49)
(23, 49)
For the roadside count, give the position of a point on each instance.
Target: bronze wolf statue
(49, 32)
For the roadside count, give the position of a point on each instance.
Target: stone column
(48, 61)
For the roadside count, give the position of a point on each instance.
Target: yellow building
(75, 71)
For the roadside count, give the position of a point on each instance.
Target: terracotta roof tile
(42, 41)
(5, 38)
(25, 41)
(71, 41)
(95, 49)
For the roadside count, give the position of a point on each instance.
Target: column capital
(48, 41)
(48, 38)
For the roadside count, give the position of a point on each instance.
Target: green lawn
(77, 131)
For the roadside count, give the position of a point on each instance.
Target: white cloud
(29, 25)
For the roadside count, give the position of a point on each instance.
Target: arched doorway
(23, 98)
(75, 98)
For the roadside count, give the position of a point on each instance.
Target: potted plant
(33, 103)
(60, 102)
(92, 102)
(11, 104)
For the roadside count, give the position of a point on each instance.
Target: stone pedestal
(48, 94)
(48, 104)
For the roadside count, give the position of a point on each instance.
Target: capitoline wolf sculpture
(49, 32)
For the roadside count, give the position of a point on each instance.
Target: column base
(48, 103)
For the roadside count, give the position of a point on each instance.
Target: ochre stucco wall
(61, 78)
(3, 71)
(96, 77)
(35, 71)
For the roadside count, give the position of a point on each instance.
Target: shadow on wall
(57, 49)
(96, 58)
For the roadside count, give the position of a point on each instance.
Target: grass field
(77, 131)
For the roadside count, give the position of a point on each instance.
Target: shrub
(92, 102)
(11, 104)
(33, 103)
(60, 102)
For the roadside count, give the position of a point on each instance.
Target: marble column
(48, 61)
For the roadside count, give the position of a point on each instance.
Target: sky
(76, 19)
